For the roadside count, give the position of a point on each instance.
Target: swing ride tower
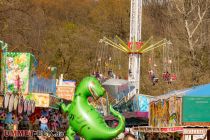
(135, 43)
(135, 48)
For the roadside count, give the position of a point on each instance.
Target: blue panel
(203, 90)
(42, 85)
(143, 103)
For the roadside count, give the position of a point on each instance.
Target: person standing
(77, 137)
(129, 136)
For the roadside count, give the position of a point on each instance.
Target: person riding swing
(153, 78)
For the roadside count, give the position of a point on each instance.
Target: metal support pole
(135, 36)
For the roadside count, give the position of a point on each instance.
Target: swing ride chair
(107, 63)
(170, 69)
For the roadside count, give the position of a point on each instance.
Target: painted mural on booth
(165, 112)
(172, 112)
(17, 72)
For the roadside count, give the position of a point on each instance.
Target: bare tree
(193, 14)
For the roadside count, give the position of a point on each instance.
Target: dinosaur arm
(65, 108)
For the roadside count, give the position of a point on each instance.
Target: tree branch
(182, 11)
(200, 19)
(187, 28)
(191, 10)
(196, 41)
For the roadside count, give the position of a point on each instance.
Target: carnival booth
(19, 82)
(3, 51)
(182, 114)
(27, 89)
(14, 77)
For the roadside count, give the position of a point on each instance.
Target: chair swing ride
(135, 47)
(169, 64)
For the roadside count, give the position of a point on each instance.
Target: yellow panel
(41, 99)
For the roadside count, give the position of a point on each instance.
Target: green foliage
(29, 96)
(70, 26)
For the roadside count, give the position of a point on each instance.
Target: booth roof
(115, 82)
(202, 91)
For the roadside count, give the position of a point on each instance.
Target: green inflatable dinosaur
(84, 119)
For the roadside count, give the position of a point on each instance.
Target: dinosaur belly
(90, 125)
(88, 117)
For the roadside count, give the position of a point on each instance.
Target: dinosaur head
(90, 87)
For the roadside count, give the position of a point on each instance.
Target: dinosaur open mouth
(92, 91)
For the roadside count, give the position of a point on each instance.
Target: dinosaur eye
(92, 91)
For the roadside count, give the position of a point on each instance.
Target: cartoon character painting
(17, 72)
(173, 119)
(9, 121)
(172, 112)
(44, 122)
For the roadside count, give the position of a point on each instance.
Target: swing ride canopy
(118, 88)
(135, 109)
